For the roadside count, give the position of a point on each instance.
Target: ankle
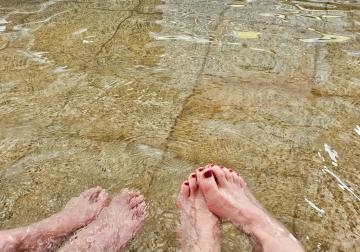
(283, 243)
(250, 221)
(272, 236)
(206, 240)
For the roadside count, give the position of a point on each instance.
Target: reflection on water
(138, 93)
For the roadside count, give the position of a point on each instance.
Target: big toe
(207, 182)
(219, 174)
(91, 193)
(140, 210)
(135, 201)
(103, 196)
(123, 198)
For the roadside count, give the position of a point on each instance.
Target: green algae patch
(327, 38)
(247, 35)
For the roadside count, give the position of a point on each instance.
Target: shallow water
(139, 93)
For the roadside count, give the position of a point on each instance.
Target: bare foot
(114, 228)
(199, 228)
(46, 234)
(228, 197)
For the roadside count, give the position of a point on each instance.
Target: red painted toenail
(222, 167)
(201, 169)
(208, 174)
(186, 183)
(230, 170)
(193, 175)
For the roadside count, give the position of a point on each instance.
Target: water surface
(139, 93)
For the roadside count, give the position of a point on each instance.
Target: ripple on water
(357, 129)
(327, 38)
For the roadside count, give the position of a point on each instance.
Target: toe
(219, 174)
(141, 208)
(139, 211)
(90, 192)
(192, 183)
(235, 178)
(136, 201)
(103, 197)
(185, 189)
(133, 193)
(232, 175)
(241, 181)
(122, 198)
(227, 173)
(200, 169)
(206, 181)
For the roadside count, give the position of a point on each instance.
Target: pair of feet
(106, 226)
(212, 192)
(215, 192)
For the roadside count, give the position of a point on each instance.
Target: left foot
(199, 228)
(46, 234)
(114, 228)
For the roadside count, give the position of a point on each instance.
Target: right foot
(114, 228)
(199, 228)
(227, 196)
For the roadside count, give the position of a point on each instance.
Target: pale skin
(226, 195)
(48, 233)
(199, 228)
(115, 227)
(208, 195)
(107, 227)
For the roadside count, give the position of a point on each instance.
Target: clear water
(138, 93)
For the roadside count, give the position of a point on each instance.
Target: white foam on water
(318, 209)
(319, 246)
(43, 7)
(87, 41)
(60, 69)
(188, 38)
(342, 184)
(332, 153)
(322, 158)
(26, 27)
(357, 129)
(236, 5)
(37, 57)
(20, 28)
(79, 32)
(3, 23)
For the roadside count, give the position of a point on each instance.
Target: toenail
(193, 175)
(186, 183)
(208, 174)
(230, 170)
(222, 167)
(201, 169)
